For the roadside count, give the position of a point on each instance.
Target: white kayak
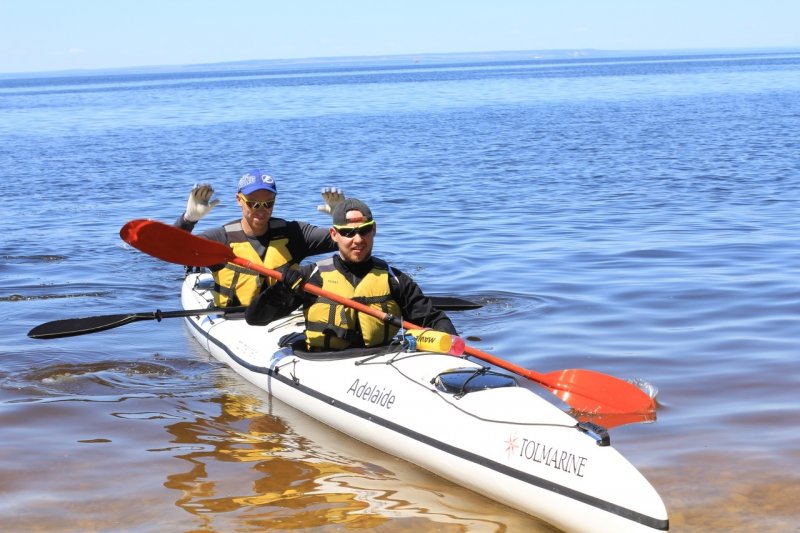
(494, 433)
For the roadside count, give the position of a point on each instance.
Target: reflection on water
(227, 457)
(293, 483)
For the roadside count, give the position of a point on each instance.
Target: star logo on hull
(511, 445)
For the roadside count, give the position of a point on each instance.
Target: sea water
(636, 216)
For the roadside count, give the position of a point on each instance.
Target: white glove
(198, 204)
(332, 196)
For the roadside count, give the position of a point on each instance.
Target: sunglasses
(348, 232)
(252, 204)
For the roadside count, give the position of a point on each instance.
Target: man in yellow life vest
(355, 274)
(257, 236)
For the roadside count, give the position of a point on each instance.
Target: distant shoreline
(427, 59)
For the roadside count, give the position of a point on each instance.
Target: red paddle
(586, 391)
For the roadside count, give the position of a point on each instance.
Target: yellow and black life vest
(236, 285)
(332, 326)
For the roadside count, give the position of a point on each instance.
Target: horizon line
(562, 53)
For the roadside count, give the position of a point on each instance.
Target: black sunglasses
(348, 232)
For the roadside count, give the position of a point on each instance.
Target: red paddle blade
(586, 391)
(593, 392)
(174, 245)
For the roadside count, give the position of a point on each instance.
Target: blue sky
(48, 35)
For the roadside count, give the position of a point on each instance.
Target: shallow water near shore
(634, 216)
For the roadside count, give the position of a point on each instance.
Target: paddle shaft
(605, 394)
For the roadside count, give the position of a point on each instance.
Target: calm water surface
(636, 216)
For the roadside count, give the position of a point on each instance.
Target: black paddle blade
(453, 303)
(80, 326)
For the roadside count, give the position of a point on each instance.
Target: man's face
(255, 215)
(355, 238)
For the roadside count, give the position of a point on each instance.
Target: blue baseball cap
(255, 180)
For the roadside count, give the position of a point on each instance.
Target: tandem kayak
(489, 431)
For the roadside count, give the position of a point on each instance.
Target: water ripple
(104, 380)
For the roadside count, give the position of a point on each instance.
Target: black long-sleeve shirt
(277, 300)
